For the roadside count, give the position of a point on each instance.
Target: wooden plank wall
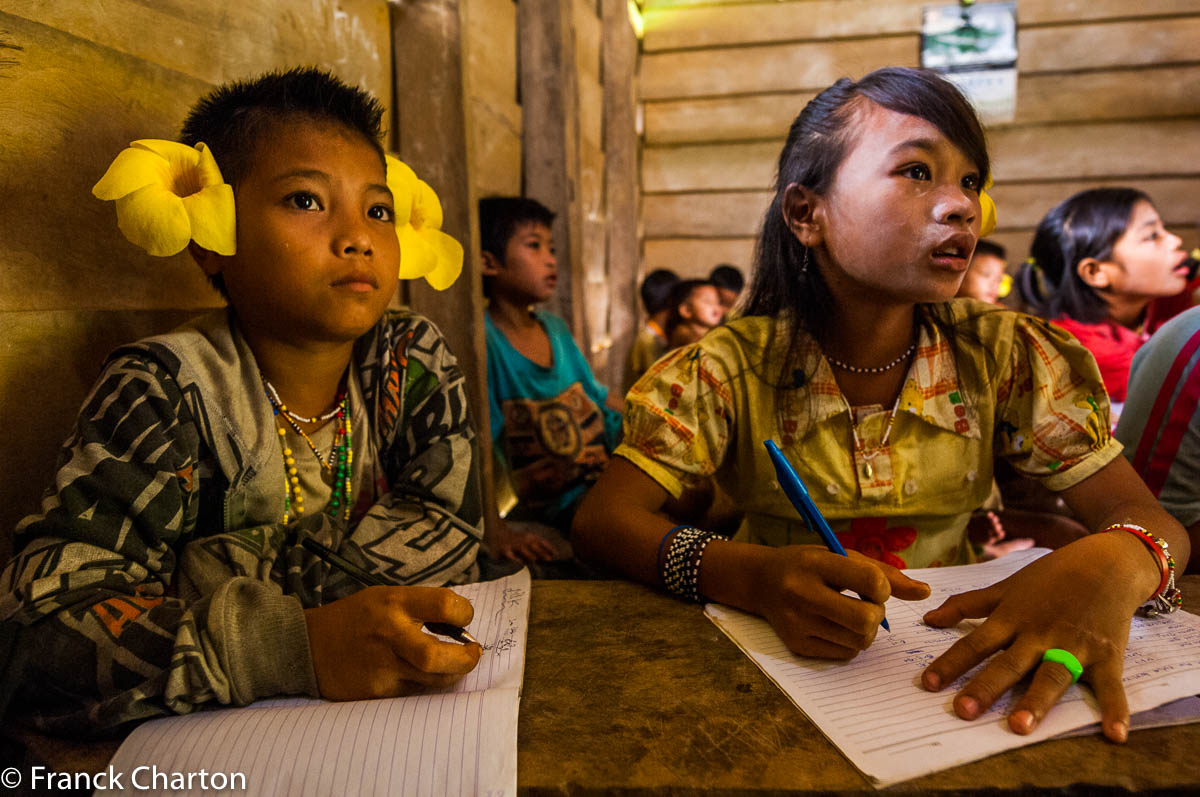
(78, 82)
(579, 147)
(1108, 94)
(494, 121)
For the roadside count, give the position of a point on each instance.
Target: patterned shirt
(552, 428)
(159, 577)
(1003, 385)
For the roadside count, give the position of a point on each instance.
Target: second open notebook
(874, 709)
(459, 741)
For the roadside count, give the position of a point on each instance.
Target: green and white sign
(975, 46)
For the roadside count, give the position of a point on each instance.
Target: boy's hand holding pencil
(372, 644)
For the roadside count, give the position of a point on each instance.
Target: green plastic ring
(1067, 660)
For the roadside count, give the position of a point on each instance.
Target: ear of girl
(893, 402)
(1099, 261)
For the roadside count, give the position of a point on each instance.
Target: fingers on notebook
(963, 654)
(1002, 672)
(1105, 679)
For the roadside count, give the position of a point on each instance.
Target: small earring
(804, 264)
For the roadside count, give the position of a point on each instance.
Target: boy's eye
(302, 200)
(917, 171)
(971, 182)
(381, 213)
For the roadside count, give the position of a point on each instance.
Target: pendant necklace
(860, 448)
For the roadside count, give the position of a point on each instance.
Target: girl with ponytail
(1097, 261)
(892, 402)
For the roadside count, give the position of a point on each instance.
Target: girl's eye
(917, 171)
(971, 182)
(380, 213)
(302, 200)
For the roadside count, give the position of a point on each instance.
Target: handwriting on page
(875, 710)
(461, 741)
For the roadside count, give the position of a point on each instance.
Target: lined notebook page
(461, 741)
(874, 709)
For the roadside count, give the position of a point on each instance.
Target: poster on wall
(975, 46)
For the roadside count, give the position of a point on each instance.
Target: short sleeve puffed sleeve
(679, 418)
(1052, 412)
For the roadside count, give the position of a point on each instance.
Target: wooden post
(621, 195)
(549, 107)
(431, 136)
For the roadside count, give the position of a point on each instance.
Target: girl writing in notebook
(892, 401)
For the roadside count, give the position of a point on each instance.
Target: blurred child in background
(985, 277)
(651, 342)
(1098, 259)
(552, 423)
(695, 309)
(729, 283)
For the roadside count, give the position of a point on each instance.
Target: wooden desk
(628, 691)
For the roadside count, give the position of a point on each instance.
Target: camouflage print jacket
(158, 576)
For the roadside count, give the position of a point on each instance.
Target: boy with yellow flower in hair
(168, 566)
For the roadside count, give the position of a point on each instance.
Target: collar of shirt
(931, 390)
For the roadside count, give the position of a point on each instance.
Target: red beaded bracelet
(1167, 597)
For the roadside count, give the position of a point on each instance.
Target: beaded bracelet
(681, 570)
(1167, 598)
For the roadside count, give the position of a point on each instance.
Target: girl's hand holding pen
(371, 644)
(802, 599)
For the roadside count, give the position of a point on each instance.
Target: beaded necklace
(341, 455)
(878, 369)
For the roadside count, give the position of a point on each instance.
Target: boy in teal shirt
(553, 424)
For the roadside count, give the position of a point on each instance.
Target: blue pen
(797, 493)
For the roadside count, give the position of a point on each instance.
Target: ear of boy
(803, 212)
(1095, 273)
(491, 264)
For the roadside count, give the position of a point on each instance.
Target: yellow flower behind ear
(425, 251)
(987, 209)
(167, 194)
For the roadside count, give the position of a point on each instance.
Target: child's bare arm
(795, 588)
(371, 644)
(1079, 598)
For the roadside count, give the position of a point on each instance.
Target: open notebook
(874, 709)
(461, 741)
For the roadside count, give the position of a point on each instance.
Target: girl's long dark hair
(1086, 225)
(817, 143)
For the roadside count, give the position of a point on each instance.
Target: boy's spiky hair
(499, 219)
(230, 119)
(500, 216)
